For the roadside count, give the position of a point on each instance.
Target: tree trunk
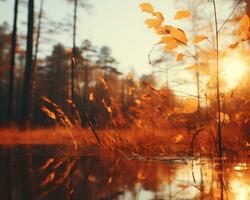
(219, 131)
(12, 64)
(28, 67)
(73, 53)
(35, 67)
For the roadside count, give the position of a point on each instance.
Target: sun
(233, 70)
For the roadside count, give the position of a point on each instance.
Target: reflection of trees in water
(93, 178)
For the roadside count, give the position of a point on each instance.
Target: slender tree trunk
(35, 67)
(28, 67)
(219, 137)
(73, 53)
(12, 64)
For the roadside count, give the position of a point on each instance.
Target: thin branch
(229, 16)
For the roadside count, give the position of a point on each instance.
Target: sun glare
(234, 67)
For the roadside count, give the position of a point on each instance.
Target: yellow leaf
(173, 44)
(153, 23)
(190, 105)
(163, 30)
(180, 57)
(244, 24)
(146, 7)
(182, 14)
(166, 39)
(178, 34)
(199, 38)
(159, 16)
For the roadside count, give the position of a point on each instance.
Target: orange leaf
(153, 23)
(178, 34)
(107, 107)
(105, 85)
(234, 45)
(199, 38)
(166, 39)
(182, 14)
(146, 7)
(173, 44)
(159, 16)
(163, 30)
(180, 57)
(48, 112)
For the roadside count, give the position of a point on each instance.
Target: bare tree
(28, 67)
(34, 74)
(12, 63)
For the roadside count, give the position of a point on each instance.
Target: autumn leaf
(108, 108)
(166, 39)
(153, 23)
(159, 16)
(48, 179)
(48, 112)
(180, 57)
(199, 38)
(244, 24)
(234, 45)
(182, 14)
(163, 30)
(173, 44)
(190, 105)
(146, 7)
(178, 34)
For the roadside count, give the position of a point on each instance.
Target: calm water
(40, 176)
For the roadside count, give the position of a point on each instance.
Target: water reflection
(63, 177)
